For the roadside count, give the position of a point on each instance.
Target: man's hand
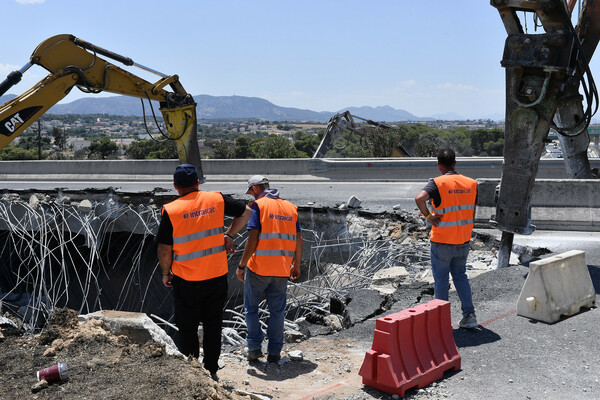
(229, 246)
(295, 272)
(168, 280)
(435, 219)
(240, 274)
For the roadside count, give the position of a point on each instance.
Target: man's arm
(237, 225)
(295, 271)
(165, 259)
(421, 200)
(251, 244)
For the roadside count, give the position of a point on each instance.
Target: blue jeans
(274, 289)
(449, 259)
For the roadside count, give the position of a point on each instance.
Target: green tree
(31, 143)
(306, 143)
(152, 150)
(273, 146)
(102, 148)
(12, 152)
(383, 141)
(495, 148)
(242, 147)
(60, 140)
(223, 149)
(428, 145)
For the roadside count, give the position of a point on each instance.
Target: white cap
(256, 180)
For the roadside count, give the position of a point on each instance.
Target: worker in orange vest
(453, 196)
(192, 251)
(272, 256)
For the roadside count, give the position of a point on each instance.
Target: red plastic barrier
(411, 348)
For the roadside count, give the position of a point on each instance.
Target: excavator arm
(345, 121)
(72, 62)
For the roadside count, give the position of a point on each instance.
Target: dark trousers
(195, 302)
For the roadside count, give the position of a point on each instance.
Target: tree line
(418, 140)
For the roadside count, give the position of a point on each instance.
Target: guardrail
(357, 169)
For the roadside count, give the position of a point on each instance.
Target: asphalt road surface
(375, 196)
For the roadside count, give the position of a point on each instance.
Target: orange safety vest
(276, 246)
(458, 195)
(198, 242)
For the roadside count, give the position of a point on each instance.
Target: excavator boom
(72, 62)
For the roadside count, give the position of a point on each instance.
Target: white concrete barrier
(556, 204)
(556, 286)
(335, 169)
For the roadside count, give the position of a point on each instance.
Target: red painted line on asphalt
(310, 396)
(493, 319)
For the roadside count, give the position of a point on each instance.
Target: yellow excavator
(73, 62)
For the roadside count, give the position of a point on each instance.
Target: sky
(427, 57)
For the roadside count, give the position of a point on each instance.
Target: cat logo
(10, 124)
(14, 121)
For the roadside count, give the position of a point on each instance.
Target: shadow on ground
(274, 372)
(474, 337)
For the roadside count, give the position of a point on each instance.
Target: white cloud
(30, 1)
(408, 84)
(456, 86)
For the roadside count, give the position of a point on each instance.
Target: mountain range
(230, 107)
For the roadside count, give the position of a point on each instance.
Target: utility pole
(39, 130)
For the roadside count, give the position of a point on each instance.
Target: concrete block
(556, 286)
(353, 202)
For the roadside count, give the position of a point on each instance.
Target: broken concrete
(136, 326)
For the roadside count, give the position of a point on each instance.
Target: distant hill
(210, 107)
(224, 107)
(384, 113)
(6, 97)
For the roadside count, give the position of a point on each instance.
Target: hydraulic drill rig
(545, 73)
(72, 62)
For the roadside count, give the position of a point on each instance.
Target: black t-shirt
(233, 208)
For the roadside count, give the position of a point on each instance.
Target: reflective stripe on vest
(198, 244)
(275, 235)
(458, 194)
(198, 235)
(276, 246)
(267, 253)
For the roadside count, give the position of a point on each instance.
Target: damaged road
(369, 265)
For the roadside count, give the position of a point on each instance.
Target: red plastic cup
(56, 372)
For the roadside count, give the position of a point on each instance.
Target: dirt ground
(102, 365)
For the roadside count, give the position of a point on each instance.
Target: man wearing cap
(192, 251)
(272, 254)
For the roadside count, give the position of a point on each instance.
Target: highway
(375, 196)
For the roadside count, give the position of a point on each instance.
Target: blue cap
(185, 176)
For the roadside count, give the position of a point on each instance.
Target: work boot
(254, 355)
(273, 358)
(469, 321)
